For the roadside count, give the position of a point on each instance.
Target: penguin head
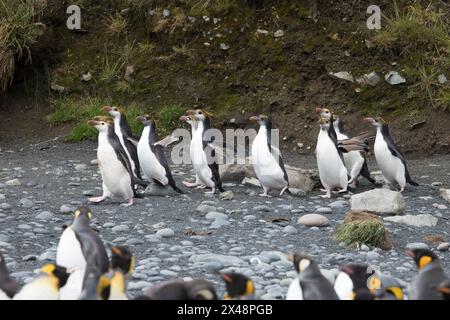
(189, 119)
(422, 257)
(146, 120)
(237, 285)
(262, 120)
(376, 122)
(58, 272)
(380, 285)
(324, 113)
(115, 112)
(122, 259)
(444, 289)
(199, 114)
(199, 289)
(301, 261)
(104, 119)
(83, 213)
(100, 125)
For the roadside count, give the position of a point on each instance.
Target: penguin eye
(200, 112)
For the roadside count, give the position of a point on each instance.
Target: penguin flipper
(93, 248)
(277, 154)
(161, 157)
(366, 173)
(133, 141)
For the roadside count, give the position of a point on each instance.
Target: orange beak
(106, 109)
(254, 118)
(319, 110)
(184, 118)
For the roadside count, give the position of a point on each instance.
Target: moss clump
(362, 228)
(168, 117)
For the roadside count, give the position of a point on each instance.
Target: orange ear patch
(425, 260)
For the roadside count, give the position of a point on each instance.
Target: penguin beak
(369, 120)
(106, 109)
(184, 118)
(290, 257)
(140, 118)
(346, 269)
(254, 118)
(319, 110)
(224, 276)
(92, 123)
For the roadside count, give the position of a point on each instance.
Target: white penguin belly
(73, 287)
(295, 291)
(332, 171)
(3, 296)
(38, 289)
(115, 176)
(391, 167)
(353, 163)
(343, 286)
(199, 161)
(149, 163)
(267, 169)
(69, 253)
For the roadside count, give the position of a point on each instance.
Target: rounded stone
(313, 220)
(165, 233)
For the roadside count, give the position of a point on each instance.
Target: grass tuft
(169, 118)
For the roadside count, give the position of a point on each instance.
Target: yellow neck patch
(250, 288)
(48, 269)
(397, 292)
(424, 261)
(374, 283)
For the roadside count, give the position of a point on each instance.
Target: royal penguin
(355, 161)
(430, 275)
(390, 160)
(203, 152)
(151, 155)
(123, 132)
(330, 162)
(8, 286)
(46, 286)
(310, 284)
(115, 168)
(78, 246)
(238, 286)
(351, 279)
(190, 120)
(267, 160)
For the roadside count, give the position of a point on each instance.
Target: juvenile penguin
(190, 120)
(310, 283)
(352, 279)
(330, 162)
(424, 284)
(239, 286)
(267, 160)
(196, 289)
(8, 286)
(78, 245)
(114, 165)
(389, 159)
(46, 286)
(151, 155)
(203, 153)
(123, 132)
(355, 161)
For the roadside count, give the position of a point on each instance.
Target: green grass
(78, 110)
(367, 231)
(169, 118)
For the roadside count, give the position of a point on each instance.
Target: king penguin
(123, 132)
(46, 286)
(330, 162)
(196, 289)
(389, 159)
(151, 155)
(96, 286)
(267, 160)
(203, 153)
(114, 165)
(190, 120)
(352, 278)
(385, 287)
(310, 283)
(355, 161)
(444, 289)
(78, 245)
(8, 286)
(424, 284)
(238, 286)
(122, 266)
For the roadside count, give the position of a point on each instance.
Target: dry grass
(116, 24)
(435, 239)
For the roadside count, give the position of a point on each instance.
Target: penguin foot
(127, 204)
(402, 189)
(323, 190)
(213, 190)
(201, 186)
(97, 199)
(342, 190)
(283, 190)
(190, 184)
(327, 195)
(265, 194)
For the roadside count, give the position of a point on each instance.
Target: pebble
(339, 204)
(26, 203)
(372, 256)
(313, 220)
(262, 208)
(216, 215)
(219, 222)
(13, 182)
(417, 245)
(278, 33)
(66, 209)
(290, 230)
(324, 210)
(120, 228)
(44, 215)
(165, 233)
(5, 206)
(444, 246)
(205, 208)
(168, 273)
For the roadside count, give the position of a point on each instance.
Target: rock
(290, 230)
(344, 75)
(166, 13)
(30, 257)
(80, 167)
(86, 77)
(339, 204)
(262, 31)
(159, 225)
(278, 34)
(440, 206)
(445, 193)
(394, 78)
(165, 233)
(26, 203)
(223, 260)
(324, 210)
(224, 47)
(442, 79)
(168, 273)
(44, 215)
(436, 184)
(420, 220)
(297, 192)
(313, 220)
(371, 79)
(218, 223)
(363, 247)
(302, 179)
(57, 88)
(417, 245)
(154, 189)
(381, 201)
(235, 172)
(120, 228)
(262, 208)
(444, 246)
(65, 209)
(94, 162)
(330, 274)
(47, 256)
(13, 182)
(372, 256)
(5, 206)
(205, 208)
(227, 195)
(216, 215)
(129, 73)
(138, 285)
(251, 182)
